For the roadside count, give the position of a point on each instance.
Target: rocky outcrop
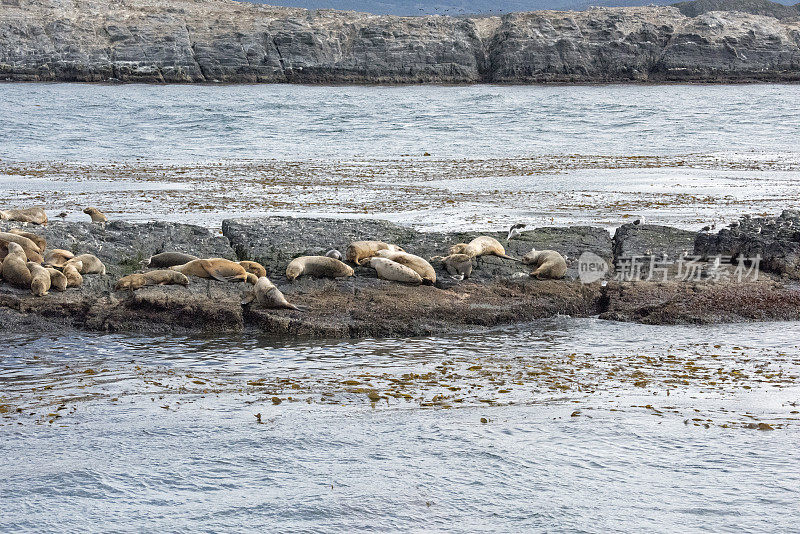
(775, 241)
(178, 41)
(500, 291)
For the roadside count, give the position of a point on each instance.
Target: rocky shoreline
(207, 41)
(500, 291)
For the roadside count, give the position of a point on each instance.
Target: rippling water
(563, 424)
(156, 433)
(681, 154)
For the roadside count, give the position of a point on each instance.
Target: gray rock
(652, 240)
(218, 40)
(775, 239)
(122, 246)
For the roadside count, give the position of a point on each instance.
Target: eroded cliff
(228, 41)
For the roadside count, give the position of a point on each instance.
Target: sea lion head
(15, 248)
(458, 248)
(293, 271)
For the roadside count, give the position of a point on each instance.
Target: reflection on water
(560, 424)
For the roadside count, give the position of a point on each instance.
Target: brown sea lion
(165, 260)
(57, 257)
(90, 264)
(254, 268)
(72, 273)
(318, 267)
(26, 215)
(359, 252)
(216, 268)
(415, 263)
(546, 264)
(15, 267)
(458, 266)
(40, 279)
(96, 215)
(37, 239)
(266, 295)
(391, 270)
(58, 280)
(163, 277)
(481, 246)
(32, 252)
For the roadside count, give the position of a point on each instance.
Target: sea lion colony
(26, 262)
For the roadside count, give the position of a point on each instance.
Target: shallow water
(589, 426)
(681, 155)
(561, 424)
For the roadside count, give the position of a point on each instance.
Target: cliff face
(227, 41)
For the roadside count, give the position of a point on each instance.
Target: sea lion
(165, 260)
(318, 267)
(415, 263)
(57, 257)
(335, 254)
(458, 266)
(162, 277)
(37, 239)
(73, 274)
(58, 280)
(546, 263)
(481, 246)
(32, 252)
(15, 267)
(216, 268)
(40, 279)
(26, 215)
(254, 268)
(96, 215)
(359, 252)
(266, 295)
(252, 279)
(90, 264)
(391, 270)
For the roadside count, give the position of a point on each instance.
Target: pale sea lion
(481, 246)
(166, 260)
(391, 270)
(57, 257)
(72, 273)
(318, 267)
(58, 280)
(15, 267)
(26, 215)
(458, 266)
(37, 239)
(359, 252)
(96, 215)
(32, 252)
(266, 295)
(415, 263)
(216, 268)
(90, 264)
(40, 279)
(546, 263)
(254, 268)
(335, 254)
(162, 277)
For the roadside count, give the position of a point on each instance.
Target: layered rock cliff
(227, 41)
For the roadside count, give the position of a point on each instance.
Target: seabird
(515, 231)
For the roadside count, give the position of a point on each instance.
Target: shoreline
(500, 292)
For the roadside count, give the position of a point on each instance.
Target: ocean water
(684, 155)
(550, 429)
(558, 425)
